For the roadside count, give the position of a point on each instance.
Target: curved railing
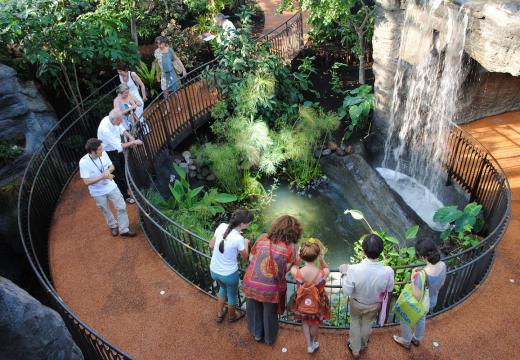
(468, 163)
(52, 166)
(47, 175)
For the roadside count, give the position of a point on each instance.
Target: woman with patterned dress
(312, 277)
(168, 63)
(264, 282)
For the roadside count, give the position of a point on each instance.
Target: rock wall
(30, 330)
(493, 41)
(25, 116)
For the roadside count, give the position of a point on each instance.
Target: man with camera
(96, 170)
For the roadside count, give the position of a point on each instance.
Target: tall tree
(68, 42)
(350, 21)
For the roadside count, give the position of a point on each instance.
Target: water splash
(417, 196)
(426, 85)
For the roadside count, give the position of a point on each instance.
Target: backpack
(307, 298)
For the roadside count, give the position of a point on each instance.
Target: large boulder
(30, 330)
(25, 117)
(364, 188)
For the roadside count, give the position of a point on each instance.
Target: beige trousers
(361, 319)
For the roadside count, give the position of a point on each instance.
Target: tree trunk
(361, 56)
(133, 30)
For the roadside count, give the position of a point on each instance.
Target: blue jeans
(418, 332)
(228, 286)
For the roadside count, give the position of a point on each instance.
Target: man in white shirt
(110, 130)
(229, 30)
(366, 284)
(95, 168)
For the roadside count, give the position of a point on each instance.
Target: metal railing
(47, 175)
(186, 253)
(53, 165)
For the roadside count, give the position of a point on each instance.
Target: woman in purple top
(436, 275)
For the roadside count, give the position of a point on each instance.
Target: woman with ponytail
(435, 271)
(227, 243)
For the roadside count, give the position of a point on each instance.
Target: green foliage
(224, 163)
(68, 43)
(195, 208)
(394, 253)
(185, 42)
(461, 226)
(9, 151)
(148, 76)
(336, 84)
(154, 16)
(219, 111)
(300, 142)
(349, 22)
(340, 317)
(357, 105)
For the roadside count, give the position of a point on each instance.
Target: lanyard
(97, 167)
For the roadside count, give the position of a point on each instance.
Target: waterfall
(426, 84)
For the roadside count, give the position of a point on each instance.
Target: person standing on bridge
(95, 168)
(365, 283)
(109, 132)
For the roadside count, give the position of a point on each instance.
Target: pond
(321, 213)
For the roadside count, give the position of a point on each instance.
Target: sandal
(236, 317)
(399, 340)
(220, 317)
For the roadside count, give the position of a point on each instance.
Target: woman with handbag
(264, 283)
(169, 66)
(433, 275)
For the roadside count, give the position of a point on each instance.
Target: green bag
(407, 308)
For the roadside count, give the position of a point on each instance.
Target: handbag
(282, 285)
(408, 309)
(176, 66)
(384, 304)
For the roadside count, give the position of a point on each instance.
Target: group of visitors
(102, 168)
(275, 254)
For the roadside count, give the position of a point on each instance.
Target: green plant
(340, 317)
(185, 42)
(350, 22)
(357, 104)
(335, 82)
(394, 254)
(68, 43)
(462, 227)
(148, 76)
(9, 150)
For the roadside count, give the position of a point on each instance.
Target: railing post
(476, 184)
(452, 161)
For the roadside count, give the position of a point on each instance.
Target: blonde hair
(311, 249)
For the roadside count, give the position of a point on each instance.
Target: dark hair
(92, 145)
(161, 40)
(286, 228)
(122, 66)
(238, 217)
(428, 249)
(372, 246)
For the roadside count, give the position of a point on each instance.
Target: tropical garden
(274, 123)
